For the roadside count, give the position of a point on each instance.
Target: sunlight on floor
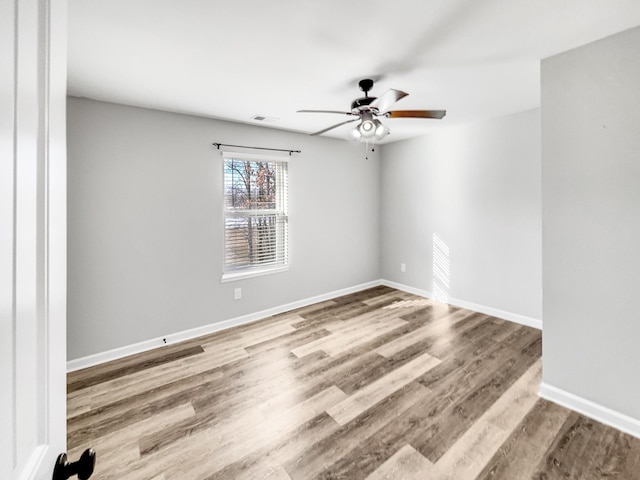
(440, 269)
(408, 304)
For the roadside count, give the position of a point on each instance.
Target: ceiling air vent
(264, 118)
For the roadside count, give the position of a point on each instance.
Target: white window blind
(255, 215)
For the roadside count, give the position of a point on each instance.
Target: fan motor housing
(358, 103)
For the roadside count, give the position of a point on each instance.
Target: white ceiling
(233, 59)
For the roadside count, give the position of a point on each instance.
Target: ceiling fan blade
(324, 111)
(388, 98)
(416, 114)
(335, 126)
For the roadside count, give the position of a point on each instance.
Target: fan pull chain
(373, 148)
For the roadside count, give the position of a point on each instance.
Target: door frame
(33, 239)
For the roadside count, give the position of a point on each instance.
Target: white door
(32, 237)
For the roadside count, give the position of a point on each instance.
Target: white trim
(143, 346)
(593, 410)
(33, 464)
(406, 288)
(250, 273)
(239, 154)
(172, 338)
(494, 312)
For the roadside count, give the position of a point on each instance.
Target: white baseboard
(494, 312)
(121, 352)
(593, 410)
(407, 288)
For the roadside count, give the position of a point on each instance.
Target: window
(255, 215)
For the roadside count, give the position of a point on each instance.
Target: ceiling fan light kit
(367, 108)
(368, 129)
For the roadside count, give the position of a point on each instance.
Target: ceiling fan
(367, 108)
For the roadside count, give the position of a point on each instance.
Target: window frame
(280, 212)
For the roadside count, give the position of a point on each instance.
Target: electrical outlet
(403, 267)
(237, 293)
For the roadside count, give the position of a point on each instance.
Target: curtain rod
(218, 145)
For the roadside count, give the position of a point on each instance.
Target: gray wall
(145, 217)
(477, 188)
(591, 221)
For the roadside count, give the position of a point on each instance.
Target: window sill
(232, 277)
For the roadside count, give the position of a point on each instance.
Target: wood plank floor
(379, 384)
